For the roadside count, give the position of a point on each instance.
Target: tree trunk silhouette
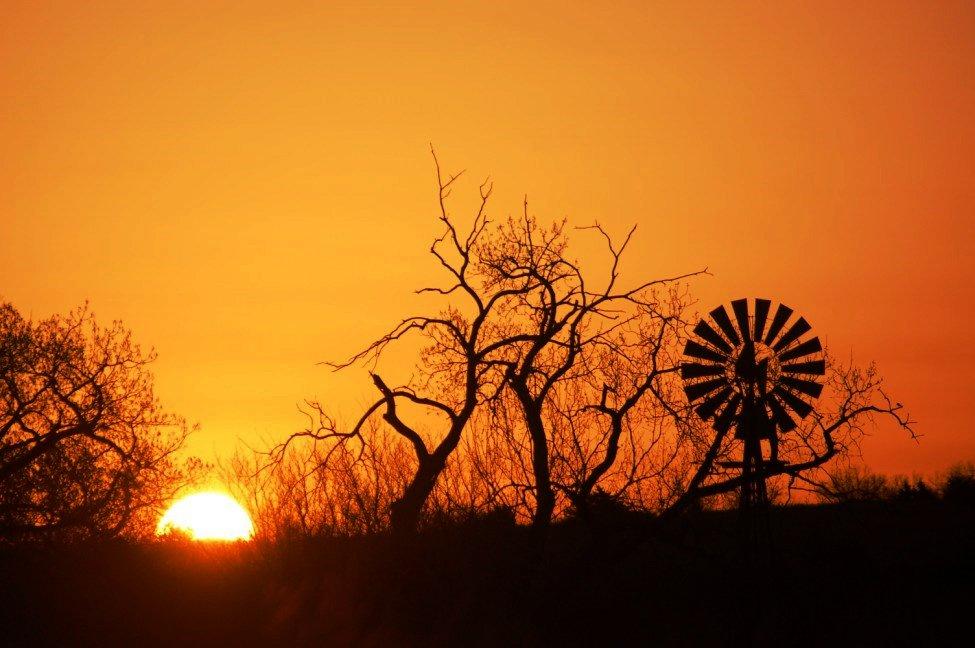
(544, 496)
(405, 512)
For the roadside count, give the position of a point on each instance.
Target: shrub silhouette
(959, 486)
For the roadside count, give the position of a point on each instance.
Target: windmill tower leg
(754, 513)
(754, 494)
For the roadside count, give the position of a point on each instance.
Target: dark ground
(853, 575)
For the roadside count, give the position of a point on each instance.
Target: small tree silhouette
(458, 368)
(853, 400)
(959, 485)
(85, 448)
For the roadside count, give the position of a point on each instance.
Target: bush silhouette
(959, 486)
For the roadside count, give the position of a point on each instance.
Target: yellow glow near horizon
(207, 516)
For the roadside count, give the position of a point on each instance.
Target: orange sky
(250, 189)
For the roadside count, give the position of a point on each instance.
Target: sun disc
(207, 516)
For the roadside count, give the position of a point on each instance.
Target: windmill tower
(754, 378)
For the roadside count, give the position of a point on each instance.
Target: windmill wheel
(729, 364)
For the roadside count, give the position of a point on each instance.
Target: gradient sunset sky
(249, 188)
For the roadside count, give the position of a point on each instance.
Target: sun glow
(207, 516)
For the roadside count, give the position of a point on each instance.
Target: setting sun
(207, 516)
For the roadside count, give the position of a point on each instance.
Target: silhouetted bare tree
(458, 369)
(85, 448)
(579, 347)
(633, 427)
(520, 320)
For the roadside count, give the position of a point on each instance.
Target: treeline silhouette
(856, 484)
(893, 573)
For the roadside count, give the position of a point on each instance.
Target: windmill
(756, 376)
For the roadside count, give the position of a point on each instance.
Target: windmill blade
(799, 406)
(709, 407)
(813, 368)
(761, 314)
(740, 306)
(705, 332)
(807, 387)
(723, 422)
(720, 316)
(811, 345)
(782, 314)
(781, 417)
(701, 389)
(798, 330)
(696, 350)
(698, 370)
